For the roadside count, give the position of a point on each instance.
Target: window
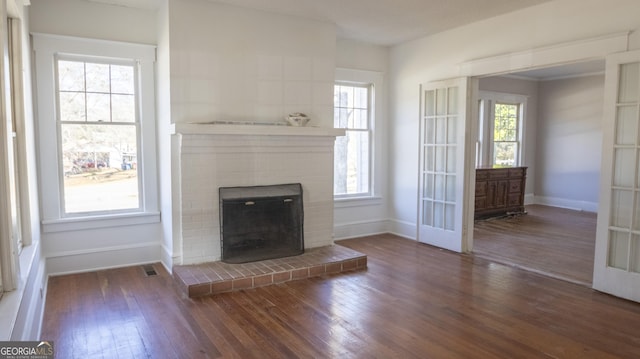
(98, 128)
(352, 111)
(96, 121)
(501, 119)
(505, 134)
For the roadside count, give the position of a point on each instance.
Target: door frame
(541, 57)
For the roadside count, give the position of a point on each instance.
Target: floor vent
(149, 270)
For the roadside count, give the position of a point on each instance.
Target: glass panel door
(617, 261)
(442, 145)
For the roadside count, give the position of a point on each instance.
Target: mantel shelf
(253, 130)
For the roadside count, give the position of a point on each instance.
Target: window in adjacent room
(352, 162)
(500, 130)
(506, 129)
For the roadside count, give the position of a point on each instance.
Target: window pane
(122, 81)
(627, 125)
(505, 126)
(618, 249)
(635, 254)
(504, 153)
(98, 107)
(430, 102)
(441, 101)
(351, 164)
(624, 167)
(453, 101)
(361, 97)
(97, 78)
(72, 107)
(360, 119)
(629, 90)
(123, 108)
(70, 76)
(100, 167)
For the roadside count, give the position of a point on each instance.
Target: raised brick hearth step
(216, 277)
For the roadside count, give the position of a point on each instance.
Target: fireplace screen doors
(261, 222)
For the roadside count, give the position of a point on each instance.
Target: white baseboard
(103, 258)
(166, 258)
(360, 229)
(403, 229)
(565, 203)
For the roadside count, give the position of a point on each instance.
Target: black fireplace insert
(261, 222)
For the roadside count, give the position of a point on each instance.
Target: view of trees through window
(351, 162)
(505, 135)
(99, 136)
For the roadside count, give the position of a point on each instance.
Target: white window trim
(375, 79)
(46, 48)
(484, 145)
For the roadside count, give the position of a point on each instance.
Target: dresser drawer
(514, 200)
(515, 186)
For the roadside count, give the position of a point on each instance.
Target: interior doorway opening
(561, 147)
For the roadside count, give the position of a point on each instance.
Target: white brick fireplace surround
(210, 156)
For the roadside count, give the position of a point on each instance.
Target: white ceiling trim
(553, 78)
(553, 55)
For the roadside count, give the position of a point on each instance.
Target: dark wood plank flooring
(413, 301)
(554, 241)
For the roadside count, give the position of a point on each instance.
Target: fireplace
(211, 156)
(261, 222)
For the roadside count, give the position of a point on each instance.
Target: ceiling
(380, 22)
(391, 22)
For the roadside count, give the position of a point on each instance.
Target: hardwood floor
(554, 241)
(413, 301)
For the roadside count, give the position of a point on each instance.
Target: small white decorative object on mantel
(297, 119)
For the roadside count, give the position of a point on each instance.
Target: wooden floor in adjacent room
(413, 301)
(554, 241)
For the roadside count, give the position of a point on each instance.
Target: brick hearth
(216, 277)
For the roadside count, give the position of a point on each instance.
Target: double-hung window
(352, 162)
(96, 122)
(99, 135)
(500, 133)
(506, 138)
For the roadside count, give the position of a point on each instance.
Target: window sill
(104, 221)
(346, 202)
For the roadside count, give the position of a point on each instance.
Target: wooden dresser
(499, 191)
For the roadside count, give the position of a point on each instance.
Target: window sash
(354, 115)
(106, 198)
(488, 132)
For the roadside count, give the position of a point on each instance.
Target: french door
(443, 120)
(617, 258)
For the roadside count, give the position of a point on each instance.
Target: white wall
(569, 147)
(165, 145)
(352, 54)
(93, 20)
(234, 64)
(439, 56)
